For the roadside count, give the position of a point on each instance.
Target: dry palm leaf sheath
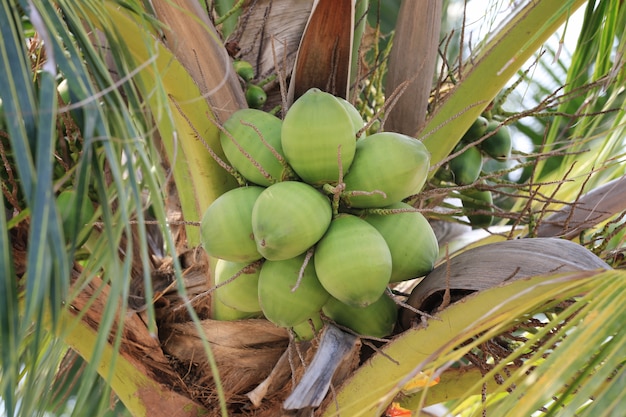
(325, 51)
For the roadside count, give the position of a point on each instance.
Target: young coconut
(498, 145)
(244, 69)
(355, 116)
(476, 130)
(411, 240)
(475, 200)
(237, 285)
(353, 261)
(316, 129)
(222, 312)
(286, 299)
(375, 320)
(243, 143)
(255, 96)
(226, 226)
(309, 328)
(387, 166)
(288, 218)
(466, 166)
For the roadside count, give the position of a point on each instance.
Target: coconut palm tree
(110, 129)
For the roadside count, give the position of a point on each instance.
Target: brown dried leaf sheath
(325, 50)
(490, 265)
(272, 29)
(245, 350)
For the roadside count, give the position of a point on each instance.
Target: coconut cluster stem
(388, 212)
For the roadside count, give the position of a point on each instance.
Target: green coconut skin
(411, 241)
(288, 218)
(255, 96)
(355, 116)
(244, 69)
(226, 226)
(474, 200)
(390, 162)
(279, 303)
(376, 320)
(242, 292)
(497, 146)
(476, 130)
(269, 126)
(466, 166)
(353, 261)
(315, 129)
(309, 328)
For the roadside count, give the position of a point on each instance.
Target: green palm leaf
(583, 341)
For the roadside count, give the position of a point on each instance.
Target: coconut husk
(168, 303)
(258, 364)
(491, 265)
(245, 351)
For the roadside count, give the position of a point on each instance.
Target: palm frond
(439, 348)
(114, 169)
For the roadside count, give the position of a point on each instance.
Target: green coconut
(476, 130)
(478, 200)
(243, 144)
(244, 69)
(375, 320)
(226, 226)
(387, 166)
(255, 96)
(309, 328)
(240, 293)
(353, 261)
(288, 218)
(282, 302)
(316, 129)
(355, 116)
(498, 145)
(222, 312)
(411, 240)
(466, 166)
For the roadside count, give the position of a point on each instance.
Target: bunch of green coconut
(486, 139)
(320, 230)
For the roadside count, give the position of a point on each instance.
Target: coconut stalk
(192, 39)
